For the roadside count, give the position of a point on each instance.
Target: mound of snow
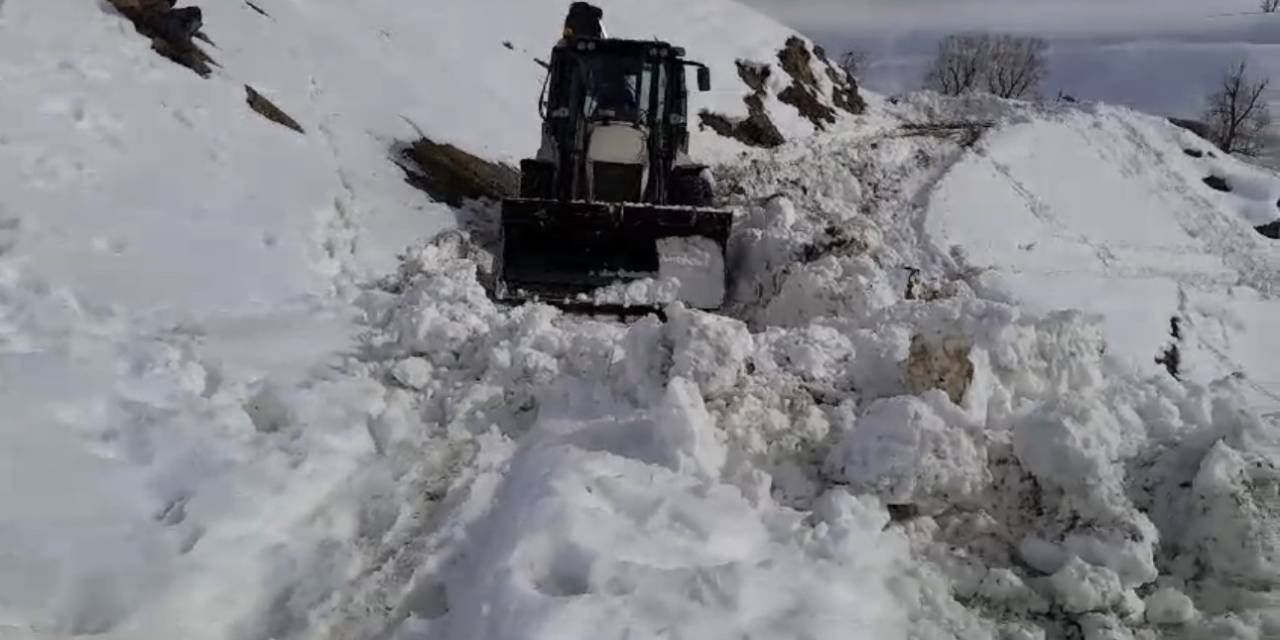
(1130, 232)
(205, 443)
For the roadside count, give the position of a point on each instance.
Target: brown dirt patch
(269, 110)
(939, 364)
(453, 176)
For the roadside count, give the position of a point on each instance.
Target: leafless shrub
(1238, 115)
(1016, 65)
(1005, 65)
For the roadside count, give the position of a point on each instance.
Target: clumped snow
(924, 412)
(698, 265)
(690, 270)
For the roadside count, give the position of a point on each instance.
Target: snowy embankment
(918, 457)
(1115, 215)
(187, 418)
(216, 429)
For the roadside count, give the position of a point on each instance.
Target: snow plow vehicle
(612, 196)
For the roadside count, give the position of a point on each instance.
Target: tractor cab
(615, 105)
(612, 178)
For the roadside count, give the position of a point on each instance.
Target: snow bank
(197, 446)
(1057, 463)
(895, 430)
(1130, 232)
(690, 271)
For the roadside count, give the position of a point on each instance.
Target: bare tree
(1005, 65)
(958, 66)
(1016, 66)
(1238, 114)
(1270, 6)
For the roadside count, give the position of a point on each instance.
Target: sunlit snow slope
(175, 273)
(1109, 212)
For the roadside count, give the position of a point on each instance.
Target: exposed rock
(154, 23)
(453, 176)
(804, 92)
(1270, 230)
(1218, 183)
(1194, 126)
(269, 110)
(797, 62)
(920, 289)
(844, 87)
(941, 365)
(1194, 153)
(755, 130)
(755, 75)
(809, 105)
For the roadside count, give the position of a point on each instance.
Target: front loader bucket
(557, 251)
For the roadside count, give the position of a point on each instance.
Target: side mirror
(704, 79)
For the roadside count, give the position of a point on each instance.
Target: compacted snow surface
(252, 386)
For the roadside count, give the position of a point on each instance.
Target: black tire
(691, 188)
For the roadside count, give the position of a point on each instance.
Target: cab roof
(618, 46)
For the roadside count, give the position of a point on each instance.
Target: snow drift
(241, 401)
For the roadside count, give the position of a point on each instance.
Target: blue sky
(1162, 56)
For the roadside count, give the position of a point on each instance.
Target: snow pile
(1023, 506)
(690, 270)
(1052, 481)
(599, 504)
(1133, 233)
(196, 444)
(1047, 485)
(899, 427)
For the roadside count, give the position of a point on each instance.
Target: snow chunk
(1237, 523)
(1081, 587)
(832, 286)
(708, 349)
(1103, 627)
(697, 264)
(688, 432)
(1005, 588)
(690, 271)
(414, 373)
(1169, 606)
(780, 212)
(902, 450)
(1072, 447)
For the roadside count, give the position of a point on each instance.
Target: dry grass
(270, 111)
(453, 176)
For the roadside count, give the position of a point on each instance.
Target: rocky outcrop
(819, 100)
(757, 129)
